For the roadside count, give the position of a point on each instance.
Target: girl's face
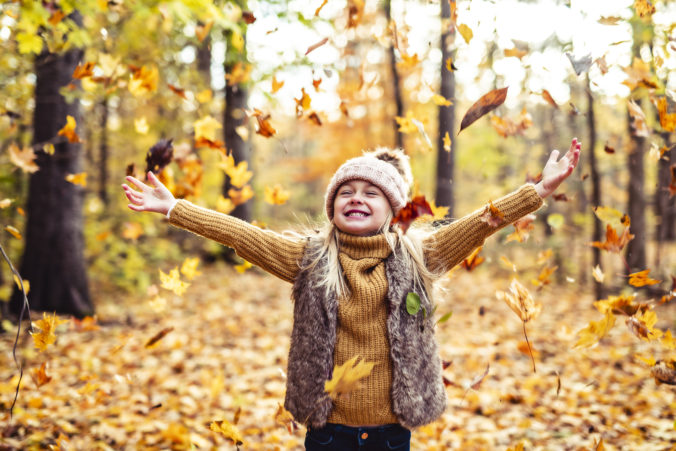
(360, 208)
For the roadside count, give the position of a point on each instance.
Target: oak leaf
(487, 103)
(347, 377)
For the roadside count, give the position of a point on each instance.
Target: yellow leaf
(239, 74)
(4, 203)
(68, 130)
(29, 43)
(14, 232)
(24, 159)
(598, 274)
(283, 417)
(644, 8)
(641, 279)
(239, 197)
(144, 80)
(438, 212)
(132, 230)
(276, 85)
(520, 301)
(441, 101)
(26, 284)
(302, 104)
(408, 61)
(406, 124)
(650, 361)
(173, 282)
(141, 125)
(224, 205)
(228, 430)
(465, 32)
(516, 52)
(609, 215)
(243, 267)
(346, 377)
(276, 195)
(543, 278)
(49, 149)
(239, 175)
(204, 96)
(595, 330)
(47, 325)
(642, 324)
(77, 179)
(668, 340)
(206, 128)
(447, 142)
(449, 64)
(237, 41)
(189, 268)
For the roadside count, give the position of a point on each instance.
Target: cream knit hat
(388, 169)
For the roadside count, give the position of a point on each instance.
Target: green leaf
(444, 318)
(412, 303)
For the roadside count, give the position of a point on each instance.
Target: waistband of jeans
(373, 429)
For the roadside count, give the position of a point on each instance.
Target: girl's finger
(554, 156)
(137, 183)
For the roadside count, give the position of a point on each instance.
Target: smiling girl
(350, 283)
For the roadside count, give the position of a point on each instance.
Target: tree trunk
(103, 161)
(53, 256)
(396, 84)
(597, 229)
(636, 257)
(665, 207)
(446, 160)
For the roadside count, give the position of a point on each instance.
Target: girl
(350, 283)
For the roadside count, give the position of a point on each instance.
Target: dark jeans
(345, 438)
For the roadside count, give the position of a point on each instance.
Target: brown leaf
(316, 45)
(158, 336)
(159, 156)
(487, 103)
(178, 91)
(614, 243)
(608, 149)
(248, 17)
(417, 207)
(320, 7)
(476, 382)
(548, 97)
(664, 372)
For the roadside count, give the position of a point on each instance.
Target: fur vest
(418, 393)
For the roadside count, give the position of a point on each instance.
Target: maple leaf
(86, 324)
(173, 282)
(83, 70)
(77, 179)
(189, 268)
(228, 430)
(46, 326)
(206, 128)
(143, 80)
(347, 377)
(406, 124)
(239, 197)
(157, 337)
(239, 174)
(641, 279)
(487, 103)
(276, 195)
(622, 305)
(492, 216)
(239, 74)
(522, 229)
(282, 416)
(642, 324)
(667, 120)
(302, 104)
(415, 208)
(614, 243)
(473, 260)
(68, 130)
(316, 45)
(23, 158)
(595, 331)
(543, 278)
(520, 301)
(644, 8)
(141, 125)
(40, 376)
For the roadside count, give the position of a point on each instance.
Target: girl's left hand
(555, 171)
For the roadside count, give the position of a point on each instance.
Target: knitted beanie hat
(388, 169)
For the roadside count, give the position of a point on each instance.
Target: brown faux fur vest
(418, 394)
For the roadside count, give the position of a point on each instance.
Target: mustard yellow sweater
(362, 316)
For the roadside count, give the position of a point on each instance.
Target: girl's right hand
(156, 198)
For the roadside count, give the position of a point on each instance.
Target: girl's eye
(372, 193)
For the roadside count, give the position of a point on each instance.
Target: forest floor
(228, 347)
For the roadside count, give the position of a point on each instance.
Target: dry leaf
(316, 45)
(347, 377)
(276, 195)
(487, 103)
(415, 208)
(173, 282)
(157, 337)
(46, 326)
(492, 216)
(641, 279)
(473, 260)
(228, 430)
(520, 301)
(595, 331)
(614, 243)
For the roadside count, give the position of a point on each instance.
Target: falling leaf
(608, 149)
(447, 142)
(56, 17)
(189, 268)
(206, 128)
(264, 127)
(639, 126)
(83, 70)
(492, 215)
(664, 372)
(173, 282)
(144, 80)
(248, 17)
(68, 130)
(639, 74)
(417, 207)
(465, 32)
(239, 175)
(302, 104)
(324, 2)
(441, 100)
(141, 125)
(487, 103)
(225, 205)
(595, 331)
(598, 274)
(613, 20)
(520, 301)
(406, 124)
(29, 43)
(450, 66)
(24, 159)
(668, 341)
(178, 91)
(40, 375)
(444, 318)
(548, 97)
(243, 267)
(602, 64)
(26, 284)
(667, 120)
(476, 382)
(13, 231)
(316, 45)
(642, 324)
(239, 197)
(228, 430)
(204, 96)
(473, 260)
(4, 203)
(239, 74)
(282, 416)
(347, 377)
(158, 336)
(77, 179)
(581, 64)
(515, 52)
(276, 85)
(314, 118)
(641, 279)
(614, 243)
(202, 30)
(608, 215)
(276, 195)
(644, 8)
(506, 127)
(46, 326)
(543, 277)
(86, 324)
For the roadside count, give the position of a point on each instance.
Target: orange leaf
(46, 326)
(522, 229)
(314, 118)
(516, 53)
(276, 85)
(638, 126)
(202, 30)
(644, 8)
(56, 17)
(40, 375)
(641, 279)
(239, 197)
(473, 260)
(487, 103)
(264, 127)
(667, 120)
(320, 7)
(614, 243)
(276, 195)
(417, 207)
(82, 71)
(548, 97)
(492, 216)
(248, 17)
(68, 130)
(302, 104)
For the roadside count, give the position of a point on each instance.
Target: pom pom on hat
(388, 169)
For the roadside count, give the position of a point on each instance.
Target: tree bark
(53, 256)
(665, 205)
(636, 257)
(597, 229)
(446, 160)
(103, 161)
(396, 83)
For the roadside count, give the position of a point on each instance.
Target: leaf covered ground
(220, 351)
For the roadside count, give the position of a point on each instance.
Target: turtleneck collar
(356, 247)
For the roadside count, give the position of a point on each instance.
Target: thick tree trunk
(636, 257)
(597, 229)
(53, 257)
(396, 84)
(103, 161)
(665, 205)
(446, 160)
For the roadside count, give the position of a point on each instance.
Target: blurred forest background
(249, 107)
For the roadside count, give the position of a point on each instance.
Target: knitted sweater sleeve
(452, 243)
(276, 254)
